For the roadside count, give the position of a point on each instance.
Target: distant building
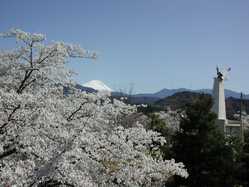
(229, 127)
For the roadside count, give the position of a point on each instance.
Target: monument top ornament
(222, 75)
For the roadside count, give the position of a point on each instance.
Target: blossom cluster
(73, 139)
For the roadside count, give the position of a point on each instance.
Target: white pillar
(219, 106)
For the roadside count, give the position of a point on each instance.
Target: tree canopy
(49, 138)
(203, 148)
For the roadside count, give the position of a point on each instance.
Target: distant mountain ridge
(169, 92)
(97, 85)
(148, 98)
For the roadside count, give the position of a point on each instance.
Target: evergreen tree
(200, 144)
(243, 163)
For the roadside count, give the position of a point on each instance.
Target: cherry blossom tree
(49, 138)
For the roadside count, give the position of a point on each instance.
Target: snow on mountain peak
(97, 85)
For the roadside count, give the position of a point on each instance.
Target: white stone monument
(229, 127)
(219, 106)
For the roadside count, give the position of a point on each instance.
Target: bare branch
(25, 58)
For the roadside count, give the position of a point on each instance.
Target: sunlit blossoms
(48, 137)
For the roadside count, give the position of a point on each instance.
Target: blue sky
(152, 44)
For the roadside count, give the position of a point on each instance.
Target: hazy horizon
(100, 85)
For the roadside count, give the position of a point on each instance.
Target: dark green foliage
(159, 125)
(150, 109)
(211, 159)
(180, 100)
(233, 106)
(202, 148)
(243, 163)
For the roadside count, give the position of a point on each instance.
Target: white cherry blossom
(72, 139)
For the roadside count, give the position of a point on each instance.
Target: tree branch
(8, 153)
(26, 85)
(28, 72)
(31, 54)
(10, 116)
(50, 54)
(26, 77)
(70, 117)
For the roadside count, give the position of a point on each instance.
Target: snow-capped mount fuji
(97, 85)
